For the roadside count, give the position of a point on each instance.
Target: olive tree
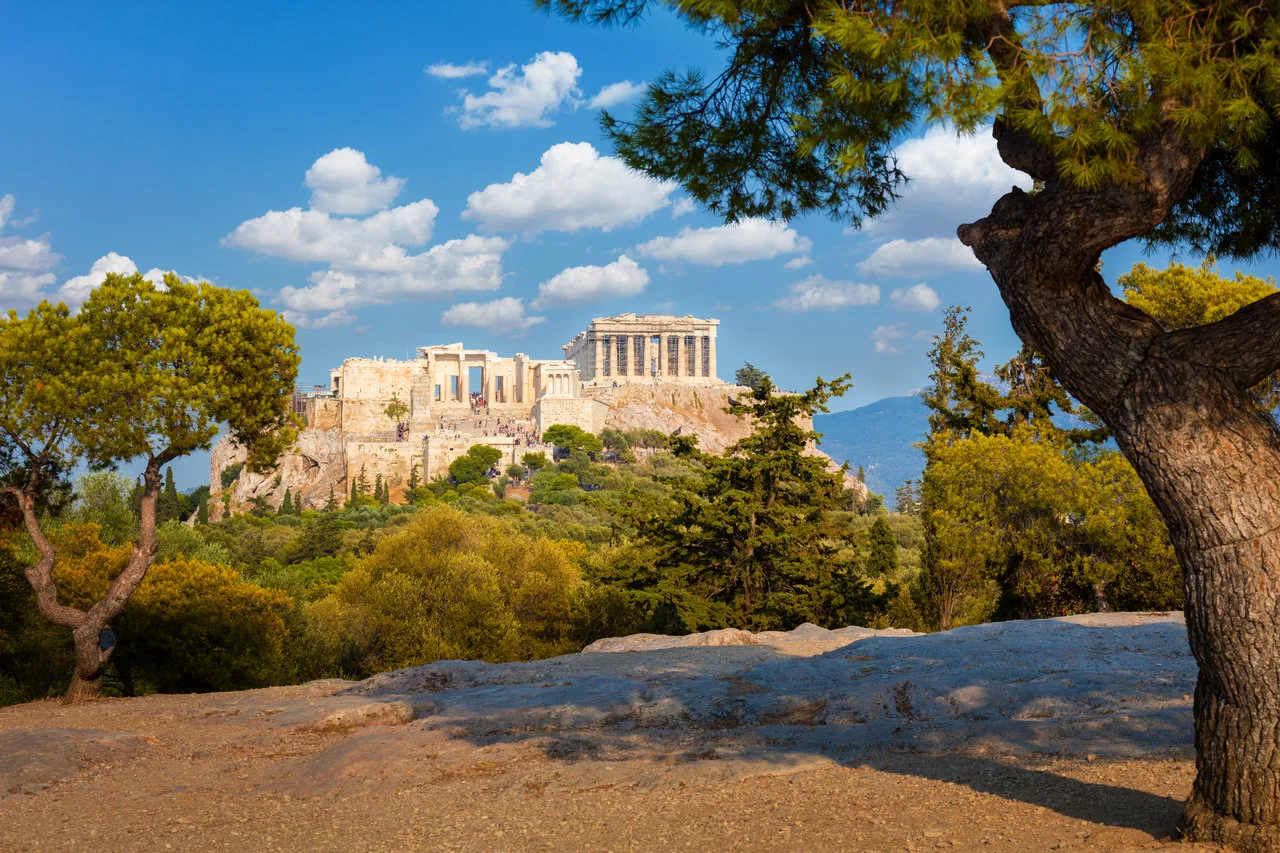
(141, 374)
(1152, 120)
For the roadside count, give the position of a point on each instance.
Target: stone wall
(581, 412)
(392, 459)
(442, 451)
(323, 413)
(367, 386)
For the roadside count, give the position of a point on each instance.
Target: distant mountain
(880, 437)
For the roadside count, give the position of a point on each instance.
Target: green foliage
(396, 409)
(748, 539)
(474, 466)
(169, 504)
(202, 513)
(451, 585)
(286, 503)
(750, 376)
(553, 487)
(1180, 297)
(535, 461)
(566, 437)
(883, 559)
(806, 112)
(102, 498)
(230, 474)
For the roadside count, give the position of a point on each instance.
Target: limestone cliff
(315, 465)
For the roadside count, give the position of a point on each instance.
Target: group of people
(525, 433)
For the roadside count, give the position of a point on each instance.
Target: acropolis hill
(386, 416)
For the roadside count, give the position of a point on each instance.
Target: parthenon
(645, 348)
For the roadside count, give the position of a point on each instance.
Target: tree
(572, 438)
(379, 496)
(286, 503)
(139, 373)
(882, 560)
(906, 499)
(331, 505)
(474, 466)
(1182, 297)
(168, 505)
(751, 538)
(202, 514)
(862, 474)
(1153, 120)
(534, 461)
(297, 503)
(396, 409)
(415, 480)
(749, 376)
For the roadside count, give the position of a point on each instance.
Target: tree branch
(1244, 346)
(40, 575)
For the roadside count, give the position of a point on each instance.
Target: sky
(402, 174)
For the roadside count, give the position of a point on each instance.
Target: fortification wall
(323, 413)
(581, 412)
(367, 387)
(442, 451)
(392, 459)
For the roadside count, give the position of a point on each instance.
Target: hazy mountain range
(881, 437)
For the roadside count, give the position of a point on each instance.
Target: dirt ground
(248, 772)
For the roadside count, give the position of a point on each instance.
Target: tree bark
(1179, 407)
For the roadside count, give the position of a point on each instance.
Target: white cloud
(747, 240)
(327, 321)
(7, 202)
(310, 235)
(449, 71)
(918, 297)
(572, 188)
(26, 264)
(616, 93)
(912, 258)
(369, 260)
(623, 277)
(343, 181)
(819, 293)
(888, 339)
(473, 263)
(503, 316)
(798, 263)
(953, 180)
(683, 205)
(525, 97)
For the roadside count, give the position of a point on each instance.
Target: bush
(231, 473)
(450, 586)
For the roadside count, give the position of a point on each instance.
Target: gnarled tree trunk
(87, 626)
(1179, 407)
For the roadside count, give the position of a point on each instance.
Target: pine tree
(379, 496)
(297, 503)
(286, 504)
(862, 475)
(882, 560)
(412, 485)
(362, 483)
(331, 505)
(202, 513)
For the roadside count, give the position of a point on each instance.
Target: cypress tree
(168, 505)
(286, 505)
(297, 503)
(883, 559)
(332, 503)
(202, 513)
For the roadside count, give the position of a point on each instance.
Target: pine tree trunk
(1212, 465)
(86, 679)
(1178, 403)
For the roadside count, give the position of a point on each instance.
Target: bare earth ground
(1061, 734)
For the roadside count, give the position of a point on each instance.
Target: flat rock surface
(1054, 734)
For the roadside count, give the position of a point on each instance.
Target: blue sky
(325, 156)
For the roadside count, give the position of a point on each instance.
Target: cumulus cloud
(747, 240)
(683, 205)
(616, 93)
(572, 188)
(953, 179)
(26, 264)
(449, 71)
(912, 258)
(7, 202)
(798, 263)
(890, 339)
(623, 277)
(918, 297)
(311, 235)
(343, 181)
(370, 260)
(503, 316)
(819, 293)
(525, 97)
(76, 290)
